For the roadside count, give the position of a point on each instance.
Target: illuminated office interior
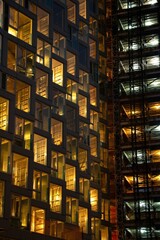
(54, 152)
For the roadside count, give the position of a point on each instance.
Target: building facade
(137, 112)
(54, 151)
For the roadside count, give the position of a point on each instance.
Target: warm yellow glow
(12, 31)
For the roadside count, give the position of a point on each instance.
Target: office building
(54, 151)
(136, 86)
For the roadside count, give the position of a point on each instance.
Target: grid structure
(136, 106)
(54, 176)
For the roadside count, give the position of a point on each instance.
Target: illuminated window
(5, 155)
(83, 80)
(23, 132)
(41, 83)
(94, 199)
(105, 209)
(71, 63)
(56, 228)
(95, 172)
(20, 170)
(20, 211)
(40, 149)
(57, 131)
(83, 133)
(103, 132)
(42, 115)
(101, 41)
(104, 157)
(82, 8)
(83, 159)
(93, 95)
(1, 198)
(22, 92)
(42, 21)
(59, 44)
(103, 109)
(40, 186)
(57, 72)
(55, 198)
(95, 226)
(57, 165)
(94, 120)
(93, 26)
(71, 11)
(93, 145)
(71, 91)
(70, 177)
(104, 182)
(84, 189)
(58, 102)
(104, 233)
(71, 118)
(4, 111)
(20, 60)
(83, 219)
(71, 210)
(20, 26)
(37, 220)
(71, 148)
(43, 53)
(102, 65)
(82, 102)
(92, 48)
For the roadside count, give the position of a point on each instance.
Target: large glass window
(70, 177)
(40, 149)
(95, 226)
(105, 209)
(22, 92)
(1, 198)
(5, 155)
(82, 102)
(20, 211)
(42, 21)
(71, 63)
(41, 83)
(71, 11)
(37, 220)
(55, 198)
(84, 189)
(94, 199)
(94, 120)
(57, 72)
(83, 80)
(72, 91)
(20, 60)
(42, 116)
(57, 131)
(83, 219)
(59, 44)
(93, 95)
(71, 148)
(93, 145)
(95, 172)
(20, 25)
(23, 132)
(57, 165)
(82, 8)
(43, 53)
(20, 170)
(83, 159)
(56, 228)
(71, 118)
(4, 113)
(83, 32)
(58, 102)
(40, 186)
(71, 210)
